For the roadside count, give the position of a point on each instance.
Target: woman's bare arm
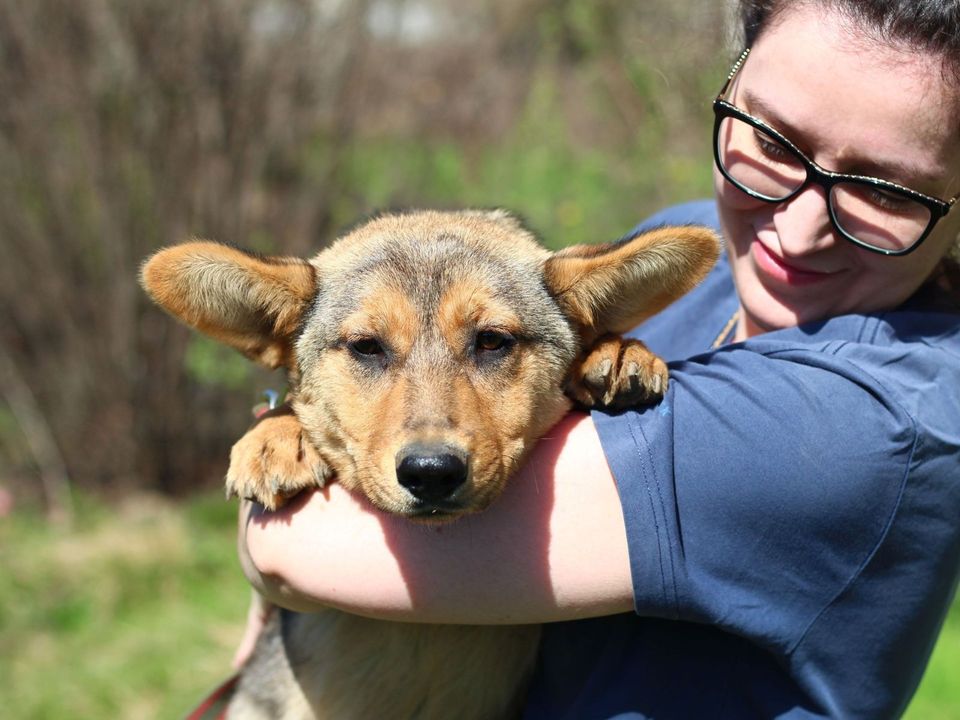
(553, 547)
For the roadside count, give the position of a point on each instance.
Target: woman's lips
(778, 269)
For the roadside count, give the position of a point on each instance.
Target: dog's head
(427, 350)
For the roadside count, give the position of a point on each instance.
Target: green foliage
(568, 193)
(8, 424)
(216, 365)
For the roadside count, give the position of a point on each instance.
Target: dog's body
(333, 664)
(427, 353)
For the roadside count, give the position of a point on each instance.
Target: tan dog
(427, 353)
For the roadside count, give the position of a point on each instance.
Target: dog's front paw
(274, 461)
(617, 373)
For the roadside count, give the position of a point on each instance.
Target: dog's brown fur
(419, 338)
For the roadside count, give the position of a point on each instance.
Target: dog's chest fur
(336, 665)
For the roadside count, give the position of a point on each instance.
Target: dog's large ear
(251, 303)
(611, 288)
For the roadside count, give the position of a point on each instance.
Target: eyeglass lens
(875, 216)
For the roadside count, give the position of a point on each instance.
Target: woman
(785, 525)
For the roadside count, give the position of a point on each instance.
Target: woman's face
(852, 106)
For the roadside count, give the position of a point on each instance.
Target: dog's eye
(366, 346)
(492, 341)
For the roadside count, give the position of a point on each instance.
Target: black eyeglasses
(875, 214)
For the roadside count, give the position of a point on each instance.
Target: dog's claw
(320, 478)
(598, 376)
(617, 373)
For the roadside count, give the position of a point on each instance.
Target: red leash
(214, 706)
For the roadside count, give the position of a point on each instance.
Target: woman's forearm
(553, 547)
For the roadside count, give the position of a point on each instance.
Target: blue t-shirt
(792, 508)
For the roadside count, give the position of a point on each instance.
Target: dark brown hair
(931, 26)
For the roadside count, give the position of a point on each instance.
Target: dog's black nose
(431, 474)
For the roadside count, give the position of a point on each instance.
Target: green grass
(137, 611)
(939, 694)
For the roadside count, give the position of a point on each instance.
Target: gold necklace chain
(726, 329)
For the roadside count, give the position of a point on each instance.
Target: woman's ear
(252, 303)
(612, 288)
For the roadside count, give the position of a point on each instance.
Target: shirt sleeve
(761, 497)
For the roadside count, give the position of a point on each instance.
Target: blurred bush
(272, 124)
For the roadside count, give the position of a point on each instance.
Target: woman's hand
(553, 547)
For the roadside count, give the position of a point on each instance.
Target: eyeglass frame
(817, 175)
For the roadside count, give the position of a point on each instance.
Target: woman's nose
(803, 223)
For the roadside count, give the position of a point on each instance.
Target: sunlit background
(274, 125)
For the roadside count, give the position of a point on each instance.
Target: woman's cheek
(731, 198)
